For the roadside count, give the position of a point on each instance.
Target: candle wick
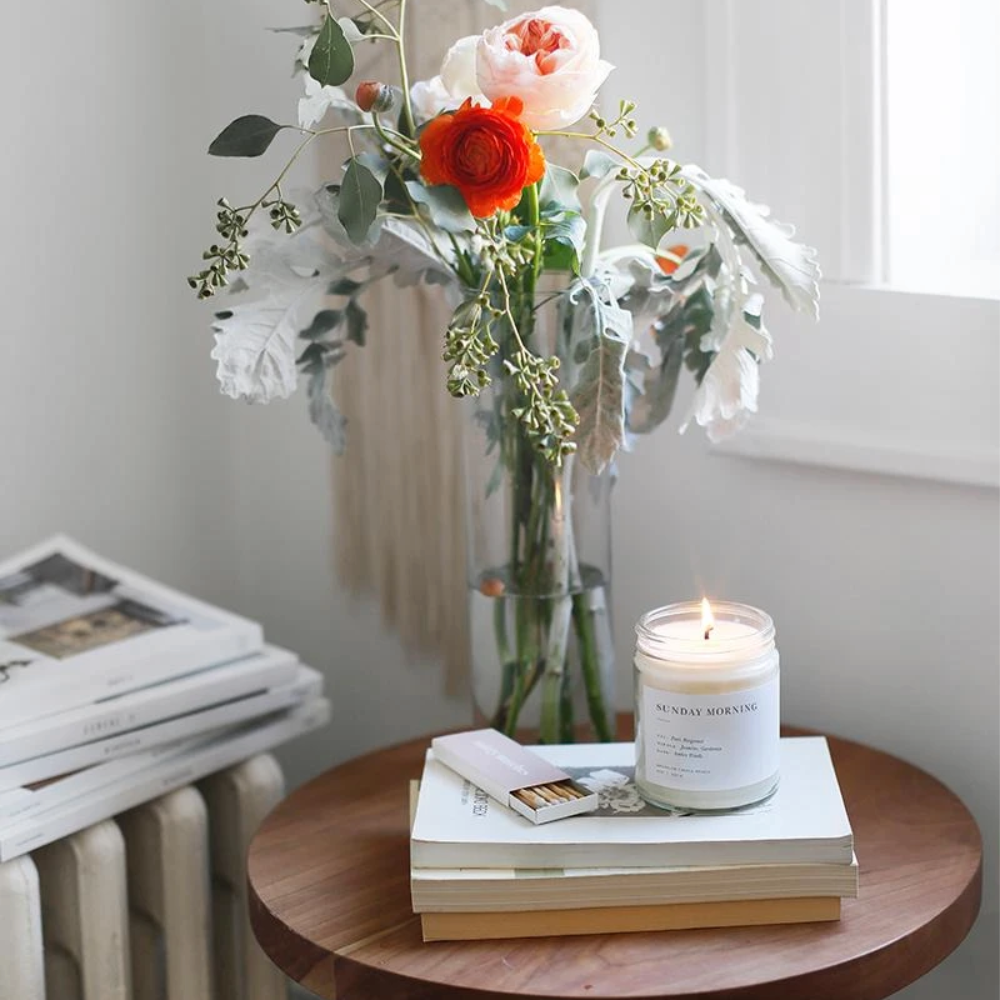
(708, 629)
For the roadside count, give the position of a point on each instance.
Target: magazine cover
(75, 628)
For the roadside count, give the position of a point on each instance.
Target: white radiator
(148, 906)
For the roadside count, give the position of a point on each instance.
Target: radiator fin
(22, 970)
(149, 906)
(84, 922)
(168, 887)
(238, 800)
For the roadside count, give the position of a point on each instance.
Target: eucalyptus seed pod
(659, 139)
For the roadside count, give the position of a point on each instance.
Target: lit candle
(706, 706)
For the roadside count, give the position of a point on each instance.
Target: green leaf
(559, 188)
(357, 323)
(328, 203)
(344, 286)
(597, 164)
(659, 387)
(564, 239)
(323, 322)
(445, 206)
(249, 135)
(561, 257)
(648, 229)
(514, 234)
(360, 195)
(377, 165)
(570, 230)
(332, 60)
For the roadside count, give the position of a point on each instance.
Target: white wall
(885, 591)
(112, 429)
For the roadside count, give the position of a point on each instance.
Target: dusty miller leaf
(728, 392)
(404, 252)
(357, 322)
(319, 100)
(322, 323)
(255, 341)
(659, 388)
(330, 422)
(598, 395)
(790, 266)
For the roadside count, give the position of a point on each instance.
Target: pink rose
(550, 59)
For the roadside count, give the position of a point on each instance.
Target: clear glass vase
(539, 561)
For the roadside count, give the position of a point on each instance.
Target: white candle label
(710, 742)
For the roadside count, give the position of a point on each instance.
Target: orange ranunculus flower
(671, 258)
(487, 153)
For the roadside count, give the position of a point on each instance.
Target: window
(873, 125)
(942, 145)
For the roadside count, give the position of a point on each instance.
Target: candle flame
(707, 618)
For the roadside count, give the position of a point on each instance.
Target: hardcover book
(803, 822)
(624, 919)
(494, 890)
(75, 628)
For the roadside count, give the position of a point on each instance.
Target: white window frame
(892, 381)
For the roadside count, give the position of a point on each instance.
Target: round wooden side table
(330, 904)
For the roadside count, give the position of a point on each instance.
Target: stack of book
(115, 689)
(480, 870)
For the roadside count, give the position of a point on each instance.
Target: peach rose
(550, 59)
(455, 82)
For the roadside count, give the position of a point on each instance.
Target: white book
(75, 628)
(499, 890)
(307, 683)
(123, 713)
(457, 826)
(203, 757)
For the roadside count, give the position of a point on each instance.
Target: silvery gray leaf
(598, 394)
(255, 341)
(330, 422)
(403, 251)
(790, 266)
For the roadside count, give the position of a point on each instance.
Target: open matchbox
(513, 775)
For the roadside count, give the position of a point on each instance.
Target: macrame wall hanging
(398, 489)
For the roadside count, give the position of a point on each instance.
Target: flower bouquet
(565, 348)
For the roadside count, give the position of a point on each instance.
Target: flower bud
(659, 139)
(373, 96)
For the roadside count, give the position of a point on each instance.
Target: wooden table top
(330, 903)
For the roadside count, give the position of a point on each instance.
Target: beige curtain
(398, 493)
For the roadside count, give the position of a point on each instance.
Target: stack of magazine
(115, 689)
(480, 870)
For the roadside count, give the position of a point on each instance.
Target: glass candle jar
(706, 706)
